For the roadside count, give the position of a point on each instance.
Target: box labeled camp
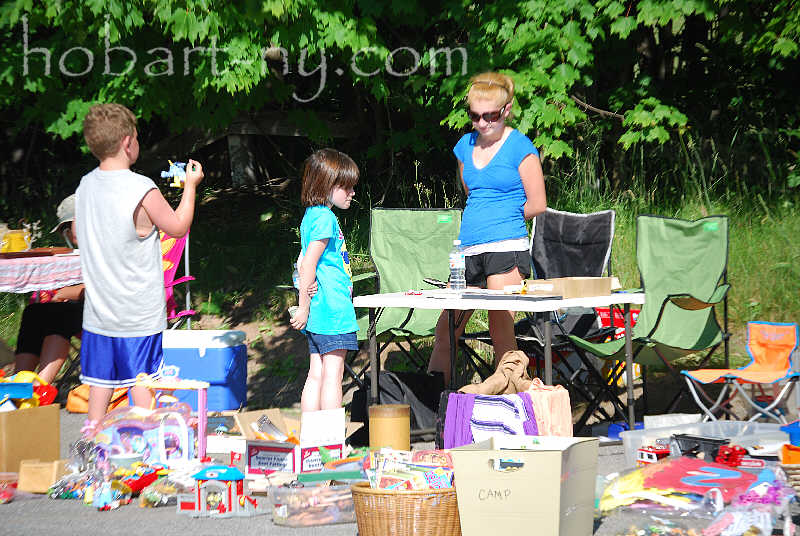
(32, 433)
(507, 485)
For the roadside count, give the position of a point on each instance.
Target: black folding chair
(566, 244)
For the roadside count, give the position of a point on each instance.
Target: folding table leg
(548, 352)
(629, 367)
(374, 362)
(545, 327)
(451, 324)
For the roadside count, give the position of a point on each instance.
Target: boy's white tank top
(121, 270)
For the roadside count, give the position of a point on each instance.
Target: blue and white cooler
(218, 357)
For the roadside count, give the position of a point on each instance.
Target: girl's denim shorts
(325, 344)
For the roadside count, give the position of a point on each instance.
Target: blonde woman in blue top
(502, 177)
(328, 318)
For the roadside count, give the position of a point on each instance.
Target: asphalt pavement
(41, 516)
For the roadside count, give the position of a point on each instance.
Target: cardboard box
(547, 483)
(33, 433)
(37, 477)
(574, 287)
(256, 457)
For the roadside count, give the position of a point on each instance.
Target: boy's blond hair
(104, 127)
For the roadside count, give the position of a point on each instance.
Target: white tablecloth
(39, 273)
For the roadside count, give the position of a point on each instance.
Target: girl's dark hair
(324, 170)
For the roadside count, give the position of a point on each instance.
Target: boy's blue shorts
(116, 361)
(325, 344)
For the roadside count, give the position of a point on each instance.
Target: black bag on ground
(420, 391)
(441, 415)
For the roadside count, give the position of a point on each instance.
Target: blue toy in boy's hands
(176, 171)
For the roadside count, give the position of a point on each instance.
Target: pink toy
(171, 251)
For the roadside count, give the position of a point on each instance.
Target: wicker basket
(792, 476)
(381, 512)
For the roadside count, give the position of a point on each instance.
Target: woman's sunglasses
(489, 117)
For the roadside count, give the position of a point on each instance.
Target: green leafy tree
(631, 76)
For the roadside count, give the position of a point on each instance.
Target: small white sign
(325, 427)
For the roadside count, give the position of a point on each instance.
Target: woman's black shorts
(480, 266)
(42, 319)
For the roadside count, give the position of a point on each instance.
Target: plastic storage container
(218, 357)
(314, 505)
(746, 434)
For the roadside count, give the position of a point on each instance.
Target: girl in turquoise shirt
(328, 318)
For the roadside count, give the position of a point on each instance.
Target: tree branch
(604, 113)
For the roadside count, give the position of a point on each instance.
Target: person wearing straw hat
(52, 317)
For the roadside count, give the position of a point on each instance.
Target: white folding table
(452, 301)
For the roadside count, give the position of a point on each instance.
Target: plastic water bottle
(457, 267)
(295, 276)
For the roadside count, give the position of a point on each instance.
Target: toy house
(219, 492)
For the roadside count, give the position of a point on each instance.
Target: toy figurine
(176, 171)
(102, 496)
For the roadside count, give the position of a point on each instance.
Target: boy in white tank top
(117, 217)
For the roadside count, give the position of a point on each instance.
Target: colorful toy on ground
(38, 393)
(736, 456)
(177, 172)
(8, 487)
(139, 477)
(162, 435)
(676, 483)
(110, 495)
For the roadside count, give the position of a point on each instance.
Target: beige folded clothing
(551, 403)
(511, 377)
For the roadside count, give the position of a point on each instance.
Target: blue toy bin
(218, 357)
(616, 428)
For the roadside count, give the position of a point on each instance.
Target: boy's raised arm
(176, 222)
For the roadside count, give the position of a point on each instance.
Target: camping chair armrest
(691, 303)
(180, 280)
(365, 275)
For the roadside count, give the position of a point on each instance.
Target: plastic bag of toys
(165, 491)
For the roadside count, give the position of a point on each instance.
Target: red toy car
(651, 454)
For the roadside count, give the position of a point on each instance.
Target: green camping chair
(407, 246)
(683, 270)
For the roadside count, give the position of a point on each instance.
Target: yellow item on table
(15, 240)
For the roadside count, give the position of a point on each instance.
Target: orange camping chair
(171, 251)
(770, 346)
